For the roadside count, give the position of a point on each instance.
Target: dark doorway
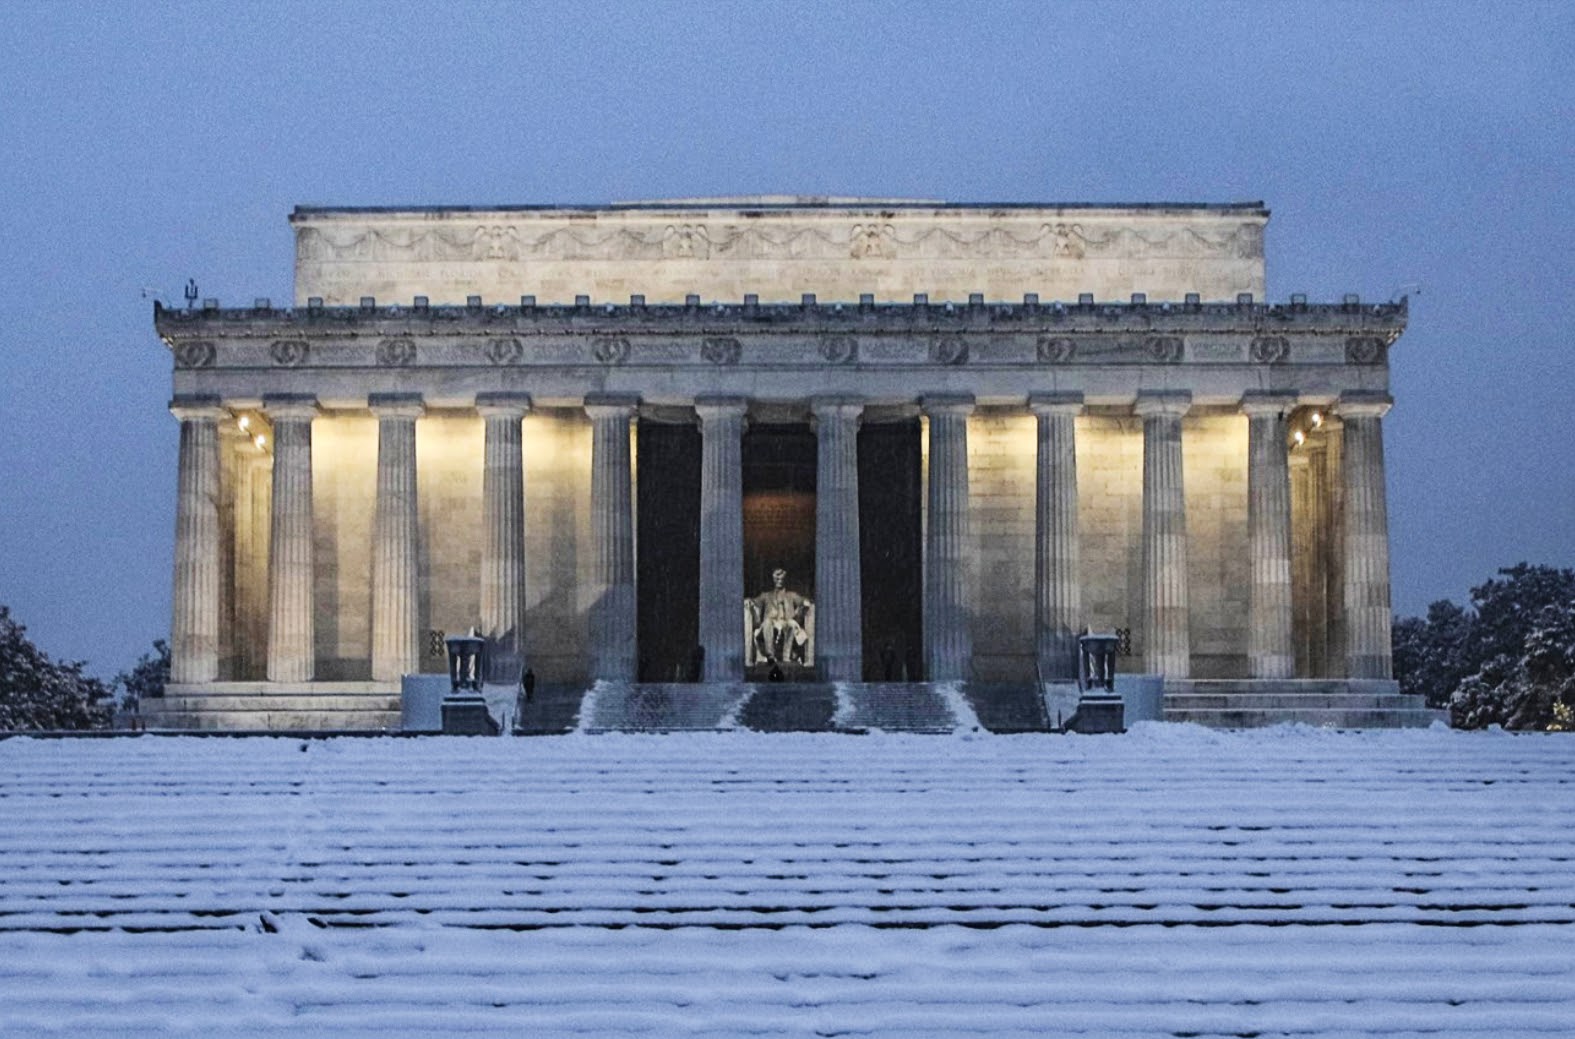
(890, 553)
(668, 573)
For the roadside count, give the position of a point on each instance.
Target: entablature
(995, 350)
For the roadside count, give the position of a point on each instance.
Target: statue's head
(778, 576)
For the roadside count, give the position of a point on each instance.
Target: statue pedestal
(467, 716)
(1099, 713)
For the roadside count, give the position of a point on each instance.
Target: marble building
(963, 433)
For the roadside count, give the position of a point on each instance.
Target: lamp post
(464, 709)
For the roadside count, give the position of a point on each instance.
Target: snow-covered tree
(147, 677)
(39, 693)
(1508, 660)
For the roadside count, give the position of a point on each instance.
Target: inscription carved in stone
(396, 353)
(501, 351)
(1364, 350)
(839, 349)
(288, 353)
(197, 354)
(1055, 349)
(610, 349)
(1270, 349)
(1164, 349)
(721, 349)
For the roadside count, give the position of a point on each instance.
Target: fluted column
(292, 650)
(1166, 641)
(1271, 653)
(194, 628)
(613, 655)
(722, 537)
(948, 636)
(1367, 617)
(1058, 601)
(503, 534)
(395, 610)
(839, 607)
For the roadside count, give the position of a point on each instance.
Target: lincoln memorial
(826, 440)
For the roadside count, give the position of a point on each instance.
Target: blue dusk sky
(1398, 146)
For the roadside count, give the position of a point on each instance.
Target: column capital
(947, 404)
(720, 407)
(396, 405)
(1363, 404)
(1267, 404)
(836, 407)
(1065, 403)
(290, 406)
(611, 405)
(503, 404)
(1170, 403)
(197, 407)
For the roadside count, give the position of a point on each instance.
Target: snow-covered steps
(1321, 703)
(773, 707)
(1176, 881)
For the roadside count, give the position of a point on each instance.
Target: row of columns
(1058, 609)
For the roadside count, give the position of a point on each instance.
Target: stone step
(281, 720)
(1318, 717)
(1291, 701)
(273, 702)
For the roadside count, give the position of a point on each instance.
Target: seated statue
(779, 625)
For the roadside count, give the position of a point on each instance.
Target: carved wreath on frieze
(197, 354)
(396, 353)
(721, 349)
(610, 349)
(838, 349)
(502, 351)
(1164, 349)
(1364, 350)
(949, 350)
(1055, 349)
(1270, 349)
(288, 353)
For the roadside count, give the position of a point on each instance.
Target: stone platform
(784, 707)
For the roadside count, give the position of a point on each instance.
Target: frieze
(1364, 350)
(949, 350)
(610, 350)
(288, 353)
(722, 350)
(838, 349)
(500, 351)
(1055, 349)
(396, 353)
(1270, 349)
(197, 353)
(512, 242)
(1164, 349)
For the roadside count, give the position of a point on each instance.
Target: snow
(1172, 881)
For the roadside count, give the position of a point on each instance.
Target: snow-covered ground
(1173, 881)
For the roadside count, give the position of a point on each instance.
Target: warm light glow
(261, 441)
(1317, 419)
(1299, 437)
(245, 422)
